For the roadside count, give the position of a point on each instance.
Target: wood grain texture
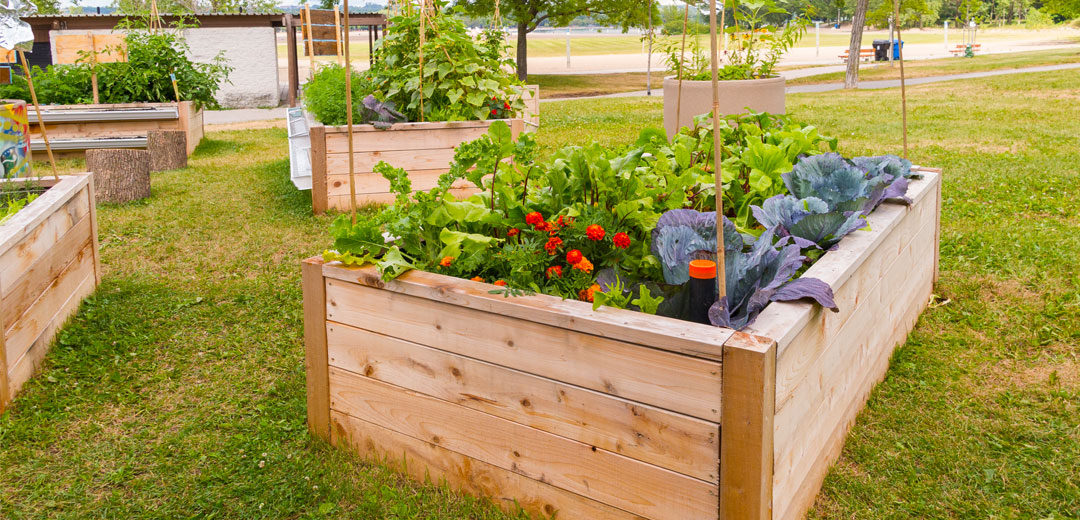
(121, 175)
(746, 457)
(662, 379)
(427, 159)
(315, 358)
(319, 205)
(18, 256)
(22, 291)
(427, 462)
(368, 183)
(619, 481)
(655, 332)
(168, 149)
(341, 202)
(670, 440)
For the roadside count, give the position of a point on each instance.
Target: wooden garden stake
(348, 112)
(682, 60)
(310, 42)
(175, 89)
(721, 289)
(423, 34)
(93, 67)
(37, 110)
(337, 33)
(903, 87)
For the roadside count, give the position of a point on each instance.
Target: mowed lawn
(178, 389)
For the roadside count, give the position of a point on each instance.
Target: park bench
(961, 49)
(864, 55)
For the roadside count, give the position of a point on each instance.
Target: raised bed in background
(425, 150)
(48, 264)
(73, 129)
(612, 414)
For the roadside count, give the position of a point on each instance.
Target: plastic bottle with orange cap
(702, 289)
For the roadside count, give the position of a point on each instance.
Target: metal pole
(568, 47)
(817, 38)
(721, 282)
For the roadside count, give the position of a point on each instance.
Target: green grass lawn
(178, 389)
(924, 68)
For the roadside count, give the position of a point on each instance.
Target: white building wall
(250, 51)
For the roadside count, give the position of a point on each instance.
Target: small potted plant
(748, 78)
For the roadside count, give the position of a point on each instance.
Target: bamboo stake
(37, 109)
(721, 281)
(423, 34)
(93, 68)
(682, 61)
(349, 114)
(723, 32)
(903, 86)
(310, 43)
(337, 33)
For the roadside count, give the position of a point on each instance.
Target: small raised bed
(48, 264)
(609, 414)
(422, 149)
(73, 129)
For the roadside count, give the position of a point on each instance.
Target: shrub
(324, 95)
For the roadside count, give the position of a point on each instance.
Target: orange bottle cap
(703, 269)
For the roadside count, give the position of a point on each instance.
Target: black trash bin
(881, 50)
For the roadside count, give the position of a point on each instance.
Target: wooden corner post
(746, 431)
(315, 355)
(319, 195)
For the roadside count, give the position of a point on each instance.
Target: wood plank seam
(315, 348)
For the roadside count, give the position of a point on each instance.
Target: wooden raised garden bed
(73, 129)
(48, 264)
(611, 414)
(425, 150)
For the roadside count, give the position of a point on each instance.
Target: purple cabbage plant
(807, 221)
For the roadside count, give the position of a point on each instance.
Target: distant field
(548, 45)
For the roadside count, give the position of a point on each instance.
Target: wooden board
(648, 376)
(573, 466)
(105, 48)
(673, 441)
(48, 264)
(428, 462)
(189, 119)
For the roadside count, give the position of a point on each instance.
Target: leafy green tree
(47, 6)
(527, 15)
(1062, 9)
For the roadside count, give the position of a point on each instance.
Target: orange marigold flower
(587, 294)
(534, 218)
(446, 261)
(552, 244)
(584, 265)
(595, 232)
(512, 232)
(554, 270)
(574, 256)
(544, 226)
(477, 279)
(500, 283)
(621, 240)
(560, 222)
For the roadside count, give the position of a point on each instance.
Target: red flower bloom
(573, 256)
(512, 232)
(534, 218)
(552, 244)
(595, 232)
(493, 111)
(621, 240)
(543, 226)
(500, 283)
(506, 105)
(560, 222)
(556, 270)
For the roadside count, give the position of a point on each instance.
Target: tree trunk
(858, 20)
(168, 149)
(120, 175)
(522, 50)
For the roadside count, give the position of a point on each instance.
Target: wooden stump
(120, 175)
(168, 149)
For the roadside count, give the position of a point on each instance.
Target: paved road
(890, 83)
